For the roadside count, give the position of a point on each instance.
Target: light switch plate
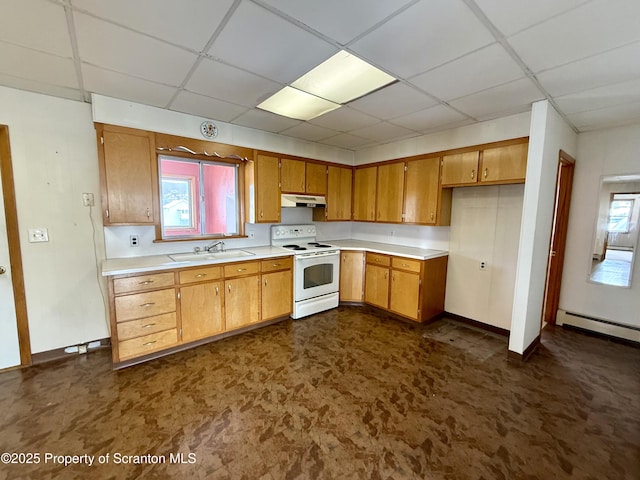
(37, 235)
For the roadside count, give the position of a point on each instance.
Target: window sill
(198, 239)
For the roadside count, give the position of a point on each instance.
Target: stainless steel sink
(202, 256)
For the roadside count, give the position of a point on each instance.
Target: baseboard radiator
(605, 327)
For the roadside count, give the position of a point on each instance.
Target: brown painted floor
(346, 394)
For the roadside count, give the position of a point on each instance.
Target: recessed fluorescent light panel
(297, 104)
(336, 81)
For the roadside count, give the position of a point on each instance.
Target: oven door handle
(319, 254)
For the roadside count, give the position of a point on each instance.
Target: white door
(9, 346)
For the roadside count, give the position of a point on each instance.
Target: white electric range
(316, 268)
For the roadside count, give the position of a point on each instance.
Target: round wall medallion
(208, 129)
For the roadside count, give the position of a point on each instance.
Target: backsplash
(436, 238)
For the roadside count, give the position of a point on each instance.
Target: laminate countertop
(151, 263)
(389, 249)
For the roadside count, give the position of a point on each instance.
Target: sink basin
(202, 256)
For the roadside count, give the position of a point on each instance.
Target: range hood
(293, 200)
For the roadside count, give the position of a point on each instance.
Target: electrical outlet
(134, 240)
(483, 265)
(251, 234)
(392, 233)
(87, 200)
(37, 235)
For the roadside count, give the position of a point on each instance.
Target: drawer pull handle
(201, 275)
(275, 265)
(241, 269)
(148, 304)
(149, 343)
(405, 265)
(146, 282)
(148, 325)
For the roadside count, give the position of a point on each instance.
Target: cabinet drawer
(406, 264)
(274, 264)
(240, 269)
(146, 304)
(200, 274)
(142, 282)
(146, 326)
(147, 344)
(378, 259)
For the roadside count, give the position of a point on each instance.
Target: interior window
(198, 198)
(620, 216)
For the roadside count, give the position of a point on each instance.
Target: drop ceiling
(457, 61)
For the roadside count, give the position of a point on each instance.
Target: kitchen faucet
(215, 246)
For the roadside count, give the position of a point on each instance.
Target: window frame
(240, 200)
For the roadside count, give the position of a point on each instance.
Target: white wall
(485, 227)
(55, 160)
(549, 134)
(606, 152)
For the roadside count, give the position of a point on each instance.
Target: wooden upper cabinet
(267, 189)
(127, 165)
(364, 194)
(504, 164)
(292, 175)
(316, 177)
(390, 188)
(460, 169)
(339, 193)
(422, 191)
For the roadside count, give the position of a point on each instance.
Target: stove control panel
(292, 231)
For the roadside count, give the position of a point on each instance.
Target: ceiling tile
(393, 101)
(36, 24)
(356, 16)
(40, 67)
(606, 117)
(217, 80)
(423, 36)
(515, 15)
(261, 42)
(506, 97)
(207, 107)
(485, 68)
(593, 28)
(344, 119)
(306, 131)
(40, 87)
(383, 131)
(614, 66)
(190, 23)
(269, 122)
(345, 140)
(130, 53)
(608, 96)
(429, 118)
(113, 84)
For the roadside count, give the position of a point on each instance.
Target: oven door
(316, 274)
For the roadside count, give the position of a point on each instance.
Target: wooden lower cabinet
(201, 310)
(277, 294)
(351, 276)
(411, 288)
(242, 301)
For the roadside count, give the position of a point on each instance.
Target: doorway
(15, 348)
(564, 182)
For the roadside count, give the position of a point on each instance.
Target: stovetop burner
(294, 247)
(319, 245)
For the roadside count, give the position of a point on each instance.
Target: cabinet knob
(265, 283)
(486, 171)
(229, 288)
(217, 290)
(148, 213)
(473, 174)
(433, 216)
(261, 214)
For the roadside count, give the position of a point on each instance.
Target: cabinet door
(376, 287)
(504, 164)
(201, 310)
(241, 301)
(405, 293)
(267, 189)
(316, 179)
(351, 276)
(339, 193)
(364, 194)
(390, 192)
(460, 169)
(292, 175)
(127, 156)
(277, 294)
(421, 194)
